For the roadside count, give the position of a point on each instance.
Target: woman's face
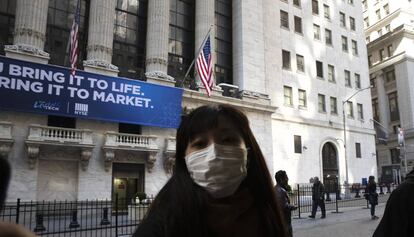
(226, 133)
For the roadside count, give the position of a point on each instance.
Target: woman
(372, 195)
(220, 186)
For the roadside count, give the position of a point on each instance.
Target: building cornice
(381, 23)
(396, 59)
(397, 33)
(323, 124)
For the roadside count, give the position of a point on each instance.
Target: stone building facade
(156, 41)
(389, 39)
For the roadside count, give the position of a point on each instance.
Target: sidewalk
(351, 222)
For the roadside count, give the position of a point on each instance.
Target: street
(351, 222)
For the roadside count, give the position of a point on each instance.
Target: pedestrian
(318, 198)
(372, 196)
(283, 198)
(220, 184)
(399, 211)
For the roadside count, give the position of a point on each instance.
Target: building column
(383, 106)
(204, 19)
(100, 38)
(30, 31)
(157, 42)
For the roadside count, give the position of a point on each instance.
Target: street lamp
(344, 120)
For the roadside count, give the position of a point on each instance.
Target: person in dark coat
(283, 198)
(399, 211)
(372, 196)
(318, 198)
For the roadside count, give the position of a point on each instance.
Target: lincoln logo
(81, 109)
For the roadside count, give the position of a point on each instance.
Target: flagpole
(198, 52)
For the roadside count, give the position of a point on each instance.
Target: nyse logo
(81, 109)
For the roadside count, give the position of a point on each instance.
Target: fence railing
(76, 218)
(336, 198)
(121, 217)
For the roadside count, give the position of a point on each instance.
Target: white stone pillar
(204, 19)
(157, 42)
(29, 31)
(383, 107)
(100, 38)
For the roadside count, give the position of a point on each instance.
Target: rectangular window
(390, 50)
(351, 2)
(298, 144)
(287, 91)
(350, 109)
(285, 59)
(316, 32)
(334, 105)
(296, 3)
(302, 98)
(366, 21)
(393, 104)
(386, 9)
(360, 111)
(352, 23)
(358, 150)
(331, 73)
(379, 32)
(284, 19)
(344, 44)
(367, 39)
(319, 69)
(390, 75)
(328, 37)
(378, 13)
(315, 7)
(369, 60)
(365, 4)
(298, 24)
(61, 121)
(357, 81)
(321, 103)
(326, 12)
(354, 47)
(375, 111)
(395, 156)
(388, 28)
(347, 76)
(382, 54)
(342, 19)
(372, 81)
(300, 63)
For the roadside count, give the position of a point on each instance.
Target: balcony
(6, 140)
(119, 144)
(41, 136)
(169, 161)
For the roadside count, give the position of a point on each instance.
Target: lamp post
(344, 120)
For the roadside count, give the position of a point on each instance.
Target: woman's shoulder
(152, 225)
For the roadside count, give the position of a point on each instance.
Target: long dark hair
(181, 204)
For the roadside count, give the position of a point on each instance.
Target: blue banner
(39, 88)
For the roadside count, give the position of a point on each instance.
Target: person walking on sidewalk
(283, 198)
(318, 198)
(399, 212)
(372, 195)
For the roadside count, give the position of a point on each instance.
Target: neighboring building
(315, 59)
(289, 76)
(389, 31)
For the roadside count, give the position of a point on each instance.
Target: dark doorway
(330, 167)
(127, 181)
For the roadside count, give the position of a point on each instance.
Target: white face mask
(218, 168)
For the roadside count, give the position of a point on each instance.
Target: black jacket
(318, 191)
(399, 212)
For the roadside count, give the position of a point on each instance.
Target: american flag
(73, 54)
(204, 66)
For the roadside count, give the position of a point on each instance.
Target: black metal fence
(76, 218)
(336, 198)
(120, 217)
